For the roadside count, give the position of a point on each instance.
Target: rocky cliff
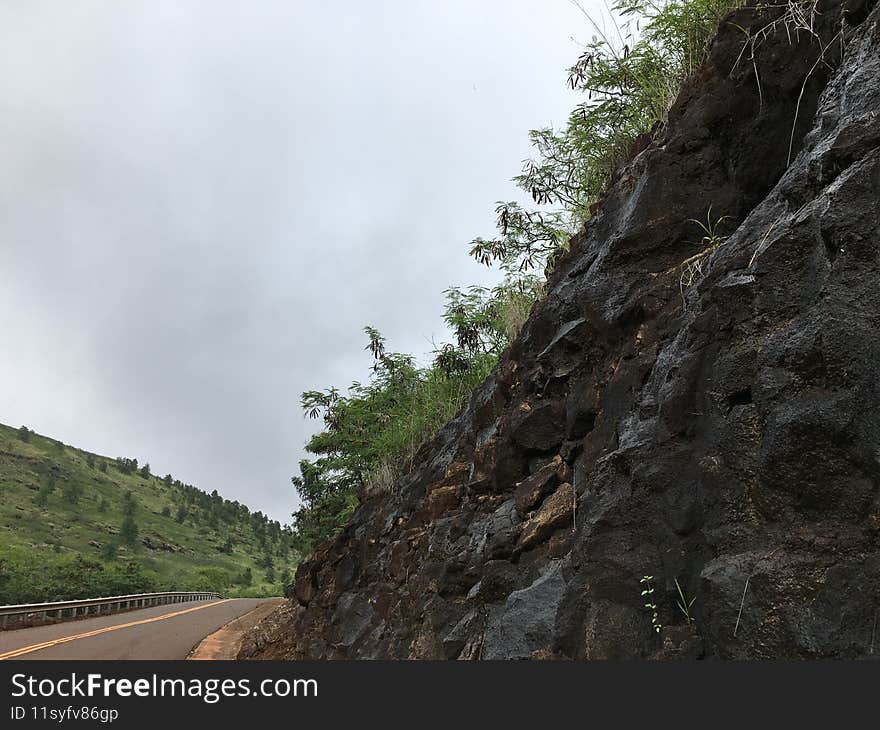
(721, 435)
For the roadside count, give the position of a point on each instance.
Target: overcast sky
(203, 203)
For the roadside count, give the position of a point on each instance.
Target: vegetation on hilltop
(78, 525)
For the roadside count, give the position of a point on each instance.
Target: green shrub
(128, 531)
(42, 497)
(630, 78)
(30, 578)
(216, 580)
(71, 492)
(372, 433)
(110, 550)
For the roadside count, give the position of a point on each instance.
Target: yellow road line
(63, 640)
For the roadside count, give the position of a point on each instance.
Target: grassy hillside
(75, 524)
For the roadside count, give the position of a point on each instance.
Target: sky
(203, 203)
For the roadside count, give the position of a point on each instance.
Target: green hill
(76, 525)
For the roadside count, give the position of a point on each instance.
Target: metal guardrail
(26, 613)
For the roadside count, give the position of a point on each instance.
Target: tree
(24, 434)
(110, 550)
(168, 480)
(128, 532)
(270, 574)
(103, 466)
(42, 497)
(182, 512)
(266, 562)
(166, 511)
(126, 466)
(71, 492)
(145, 471)
(129, 506)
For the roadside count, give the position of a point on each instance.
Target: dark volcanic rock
(538, 428)
(725, 441)
(526, 622)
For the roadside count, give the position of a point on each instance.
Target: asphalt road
(159, 632)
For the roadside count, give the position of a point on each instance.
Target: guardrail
(29, 614)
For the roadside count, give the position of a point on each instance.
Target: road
(159, 632)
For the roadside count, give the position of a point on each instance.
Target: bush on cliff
(630, 77)
(372, 433)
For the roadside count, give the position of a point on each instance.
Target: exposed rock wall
(729, 441)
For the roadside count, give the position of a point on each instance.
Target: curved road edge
(225, 643)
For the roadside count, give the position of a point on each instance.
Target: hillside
(63, 531)
(676, 457)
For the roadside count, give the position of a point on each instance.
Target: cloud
(202, 204)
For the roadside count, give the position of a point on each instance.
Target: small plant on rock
(692, 268)
(648, 595)
(683, 604)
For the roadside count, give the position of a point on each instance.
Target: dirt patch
(225, 643)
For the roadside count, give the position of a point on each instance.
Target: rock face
(724, 437)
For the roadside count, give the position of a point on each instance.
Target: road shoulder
(225, 643)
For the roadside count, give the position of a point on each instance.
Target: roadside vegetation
(78, 525)
(629, 74)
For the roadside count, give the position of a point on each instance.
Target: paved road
(159, 632)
